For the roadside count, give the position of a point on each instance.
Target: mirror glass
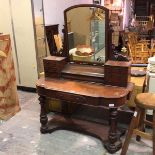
(86, 34)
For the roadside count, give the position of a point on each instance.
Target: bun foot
(112, 148)
(44, 130)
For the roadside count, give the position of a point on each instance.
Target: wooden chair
(143, 101)
(131, 52)
(138, 50)
(138, 53)
(135, 39)
(141, 53)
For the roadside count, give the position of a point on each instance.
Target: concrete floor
(21, 136)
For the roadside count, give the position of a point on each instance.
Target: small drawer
(71, 97)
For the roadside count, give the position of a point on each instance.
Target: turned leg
(113, 125)
(141, 125)
(43, 115)
(114, 143)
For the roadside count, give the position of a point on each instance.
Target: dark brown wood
(53, 66)
(83, 72)
(113, 144)
(82, 92)
(101, 114)
(74, 124)
(88, 94)
(51, 30)
(94, 93)
(117, 73)
(81, 84)
(43, 115)
(110, 53)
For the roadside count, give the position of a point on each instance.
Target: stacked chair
(138, 49)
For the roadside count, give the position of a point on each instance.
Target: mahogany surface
(82, 88)
(53, 66)
(83, 72)
(88, 88)
(83, 93)
(64, 122)
(117, 73)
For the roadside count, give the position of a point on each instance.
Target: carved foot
(112, 148)
(121, 132)
(44, 130)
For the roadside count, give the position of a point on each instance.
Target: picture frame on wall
(97, 2)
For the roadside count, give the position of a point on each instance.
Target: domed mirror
(87, 34)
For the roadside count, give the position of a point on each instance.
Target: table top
(84, 88)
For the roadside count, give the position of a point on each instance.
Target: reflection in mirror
(86, 34)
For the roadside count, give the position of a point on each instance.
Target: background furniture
(40, 35)
(138, 49)
(143, 7)
(51, 30)
(139, 82)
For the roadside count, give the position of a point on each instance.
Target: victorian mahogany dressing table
(89, 82)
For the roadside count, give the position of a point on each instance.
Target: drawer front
(52, 74)
(77, 98)
(70, 97)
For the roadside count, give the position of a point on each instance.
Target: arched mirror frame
(108, 47)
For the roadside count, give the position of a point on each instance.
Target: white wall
(127, 13)
(19, 12)
(25, 41)
(53, 10)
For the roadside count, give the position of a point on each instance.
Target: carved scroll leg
(113, 144)
(43, 115)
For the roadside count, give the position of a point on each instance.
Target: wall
(16, 20)
(6, 28)
(127, 13)
(25, 41)
(80, 16)
(53, 10)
